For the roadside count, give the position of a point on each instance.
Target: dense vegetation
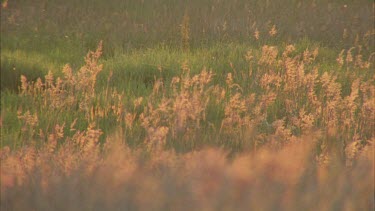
(188, 105)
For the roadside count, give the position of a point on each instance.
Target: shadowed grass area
(133, 23)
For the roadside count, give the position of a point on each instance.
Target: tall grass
(289, 102)
(172, 112)
(80, 177)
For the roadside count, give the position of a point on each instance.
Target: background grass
(63, 31)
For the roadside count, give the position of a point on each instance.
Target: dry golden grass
(80, 176)
(304, 144)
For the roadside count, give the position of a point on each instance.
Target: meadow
(187, 105)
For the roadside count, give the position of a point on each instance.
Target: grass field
(187, 105)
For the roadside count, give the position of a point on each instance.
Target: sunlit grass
(187, 106)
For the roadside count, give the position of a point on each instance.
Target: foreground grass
(118, 178)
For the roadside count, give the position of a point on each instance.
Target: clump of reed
(287, 97)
